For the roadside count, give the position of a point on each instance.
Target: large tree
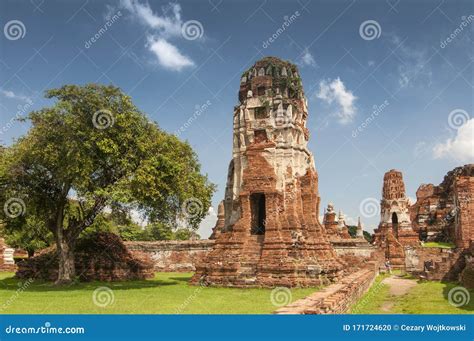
(91, 149)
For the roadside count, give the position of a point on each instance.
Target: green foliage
(369, 237)
(95, 145)
(120, 223)
(353, 232)
(132, 232)
(185, 234)
(31, 235)
(158, 231)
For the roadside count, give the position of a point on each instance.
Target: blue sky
(396, 94)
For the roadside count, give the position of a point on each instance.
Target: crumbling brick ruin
(335, 227)
(445, 213)
(394, 211)
(441, 213)
(220, 221)
(395, 230)
(271, 234)
(336, 298)
(173, 255)
(102, 256)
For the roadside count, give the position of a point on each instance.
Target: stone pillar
(360, 231)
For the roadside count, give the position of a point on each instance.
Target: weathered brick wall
(172, 255)
(336, 298)
(467, 275)
(446, 212)
(434, 263)
(182, 256)
(353, 247)
(464, 192)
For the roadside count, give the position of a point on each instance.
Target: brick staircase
(248, 265)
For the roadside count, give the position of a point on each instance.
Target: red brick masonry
(174, 255)
(336, 298)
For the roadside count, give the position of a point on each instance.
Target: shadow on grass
(13, 284)
(458, 296)
(182, 279)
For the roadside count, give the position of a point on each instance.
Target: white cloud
(167, 25)
(335, 91)
(307, 59)
(162, 28)
(168, 55)
(12, 95)
(208, 223)
(461, 147)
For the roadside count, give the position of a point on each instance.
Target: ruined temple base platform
(253, 263)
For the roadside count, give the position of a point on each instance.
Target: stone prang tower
(394, 209)
(271, 235)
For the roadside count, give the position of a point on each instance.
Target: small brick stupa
(395, 215)
(271, 235)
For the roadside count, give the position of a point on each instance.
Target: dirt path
(397, 287)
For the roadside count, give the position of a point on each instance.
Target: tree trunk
(65, 249)
(67, 269)
(31, 253)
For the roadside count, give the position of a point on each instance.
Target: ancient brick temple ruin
(271, 234)
(335, 225)
(445, 213)
(395, 229)
(394, 211)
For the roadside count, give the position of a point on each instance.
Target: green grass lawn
(167, 293)
(440, 245)
(425, 298)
